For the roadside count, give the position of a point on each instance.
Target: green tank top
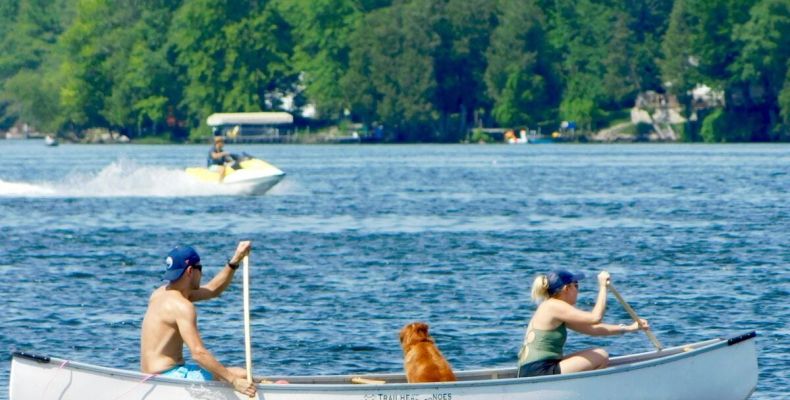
(542, 345)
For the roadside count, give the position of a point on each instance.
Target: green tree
(764, 44)
(620, 80)
(256, 64)
(391, 71)
(580, 31)
(8, 12)
(784, 107)
(680, 64)
(32, 98)
(199, 44)
(90, 48)
(648, 21)
(232, 57)
(521, 75)
(762, 63)
(713, 42)
(426, 69)
(139, 72)
(371, 5)
(28, 37)
(464, 28)
(117, 70)
(725, 126)
(698, 46)
(321, 30)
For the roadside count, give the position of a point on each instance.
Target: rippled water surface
(359, 240)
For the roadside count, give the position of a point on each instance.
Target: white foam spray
(121, 178)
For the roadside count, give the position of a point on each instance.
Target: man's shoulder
(172, 300)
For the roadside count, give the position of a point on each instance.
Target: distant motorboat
(50, 141)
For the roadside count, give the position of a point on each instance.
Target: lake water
(359, 240)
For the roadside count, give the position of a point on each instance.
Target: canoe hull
(715, 369)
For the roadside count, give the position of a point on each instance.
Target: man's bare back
(161, 345)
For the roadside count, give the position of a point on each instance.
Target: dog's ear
(407, 332)
(421, 329)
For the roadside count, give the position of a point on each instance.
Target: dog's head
(413, 333)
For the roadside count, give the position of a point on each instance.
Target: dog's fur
(422, 360)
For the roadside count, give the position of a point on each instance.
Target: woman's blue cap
(178, 260)
(560, 277)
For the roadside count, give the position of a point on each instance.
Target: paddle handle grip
(633, 315)
(247, 328)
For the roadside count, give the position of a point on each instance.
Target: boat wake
(119, 179)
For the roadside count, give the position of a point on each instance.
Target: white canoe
(717, 369)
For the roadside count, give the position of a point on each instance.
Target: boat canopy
(252, 118)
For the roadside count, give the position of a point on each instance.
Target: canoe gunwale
(343, 383)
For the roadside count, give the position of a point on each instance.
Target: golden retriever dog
(422, 360)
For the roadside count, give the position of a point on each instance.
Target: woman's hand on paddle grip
(643, 325)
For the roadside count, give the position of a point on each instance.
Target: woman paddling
(556, 293)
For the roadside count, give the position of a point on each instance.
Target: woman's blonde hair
(540, 289)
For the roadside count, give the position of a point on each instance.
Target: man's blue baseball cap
(560, 277)
(178, 260)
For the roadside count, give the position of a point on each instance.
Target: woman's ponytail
(540, 289)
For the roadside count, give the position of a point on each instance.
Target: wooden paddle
(367, 381)
(633, 315)
(247, 343)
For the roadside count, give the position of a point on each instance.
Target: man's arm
(222, 280)
(187, 327)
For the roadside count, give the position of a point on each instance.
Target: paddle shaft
(367, 381)
(247, 342)
(633, 315)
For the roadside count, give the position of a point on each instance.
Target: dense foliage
(425, 70)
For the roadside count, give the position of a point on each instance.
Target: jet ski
(245, 172)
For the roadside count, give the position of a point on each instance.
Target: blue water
(359, 240)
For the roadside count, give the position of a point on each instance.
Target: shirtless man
(171, 321)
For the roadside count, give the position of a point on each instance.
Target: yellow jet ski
(251, 175)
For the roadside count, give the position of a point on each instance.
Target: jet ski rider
(218, 157)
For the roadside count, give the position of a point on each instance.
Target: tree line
(427, 70)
